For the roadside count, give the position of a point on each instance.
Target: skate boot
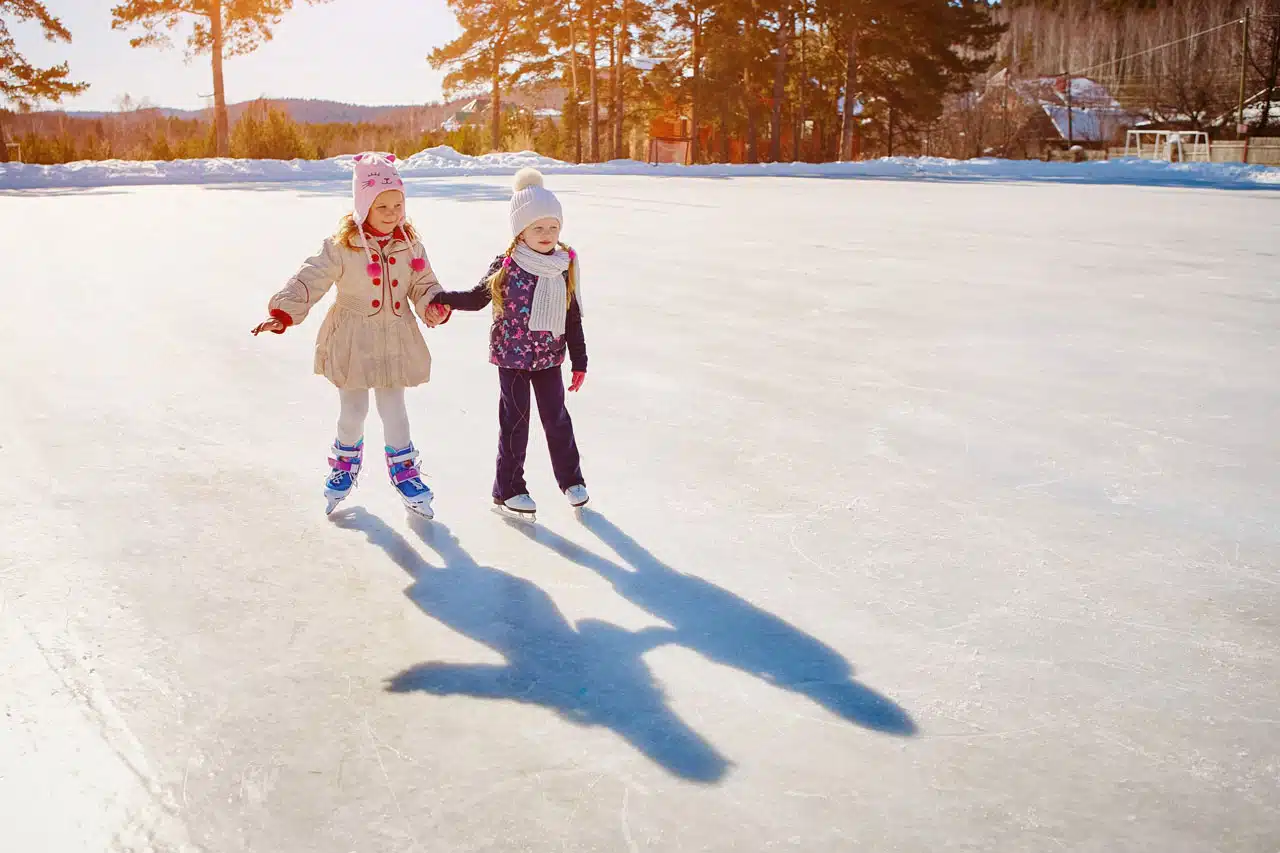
(403, 470)
(520, 507)
(344, 469)
(577, 495)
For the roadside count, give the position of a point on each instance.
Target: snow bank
(445, 162)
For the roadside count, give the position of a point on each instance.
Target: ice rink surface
(927, 515)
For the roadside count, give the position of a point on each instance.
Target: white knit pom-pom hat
(532, 201)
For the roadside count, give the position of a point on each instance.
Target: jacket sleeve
(475, 299)
(308, 286)
(423, 288)
(575, 338)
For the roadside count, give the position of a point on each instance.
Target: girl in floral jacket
(369, 339)
(537, 315)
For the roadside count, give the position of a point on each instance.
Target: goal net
(1172, 145)
(669, 151)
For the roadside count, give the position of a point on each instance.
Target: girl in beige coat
(369, 340)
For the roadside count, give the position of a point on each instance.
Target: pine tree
(22, 84)
(573, 113)
(499, 45)
(221, 28)
(593, 55)
(784, 12)
(690, 16)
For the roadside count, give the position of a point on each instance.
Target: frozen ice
(927, 515)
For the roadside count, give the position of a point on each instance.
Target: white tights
(355, 408)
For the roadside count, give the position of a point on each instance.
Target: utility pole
(1070, 128)
(1244, 64)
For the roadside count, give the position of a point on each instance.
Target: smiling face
(387, 211)
(543, 235)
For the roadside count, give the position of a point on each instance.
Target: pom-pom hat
(373, 175)
(532, 201)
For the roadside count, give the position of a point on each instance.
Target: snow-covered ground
(445, 162)
(928, 516)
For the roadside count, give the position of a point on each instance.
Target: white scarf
(550, 297)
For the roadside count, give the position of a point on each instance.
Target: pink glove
(579, 377)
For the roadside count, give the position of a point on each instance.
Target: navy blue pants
(514, 410)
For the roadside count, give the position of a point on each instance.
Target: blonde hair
(347, 231)
(498, 281)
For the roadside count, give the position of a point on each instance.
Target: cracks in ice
(95, 706)
(408, 827)
(626, 824)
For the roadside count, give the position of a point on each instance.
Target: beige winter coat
(369, 338)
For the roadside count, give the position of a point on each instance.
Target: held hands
(436, 314)
(272, 325)
(579, 377)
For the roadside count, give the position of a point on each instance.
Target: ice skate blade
(515, 515)
(421, 511)
(331, 504)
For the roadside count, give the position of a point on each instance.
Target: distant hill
(309, 111)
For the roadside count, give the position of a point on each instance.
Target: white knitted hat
(532, 201)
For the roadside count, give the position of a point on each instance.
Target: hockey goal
(1180, 145)
(669, 150)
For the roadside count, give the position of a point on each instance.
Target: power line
(1081, 72)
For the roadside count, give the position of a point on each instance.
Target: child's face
(387, 210)
(543, 235)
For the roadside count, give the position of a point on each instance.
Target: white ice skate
(577, 496)
(521, 508)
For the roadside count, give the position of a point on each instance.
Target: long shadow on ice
(729, 630)
(592, 673)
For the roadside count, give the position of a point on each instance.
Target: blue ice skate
(344, 469)
(403, 469)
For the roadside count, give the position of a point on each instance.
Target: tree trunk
(850, 94)
(779, 87)
(753, 131)
(695, 145)
(573, 76)
(495, 108)
(222, 134)
(624, 50)
(799, 28)
(593, 120)
(1271, 75)
(725, 110)
(610, 131)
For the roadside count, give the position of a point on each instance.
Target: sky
(313, 55)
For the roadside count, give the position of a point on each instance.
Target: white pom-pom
(526, 178)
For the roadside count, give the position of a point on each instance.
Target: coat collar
(398, 237)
